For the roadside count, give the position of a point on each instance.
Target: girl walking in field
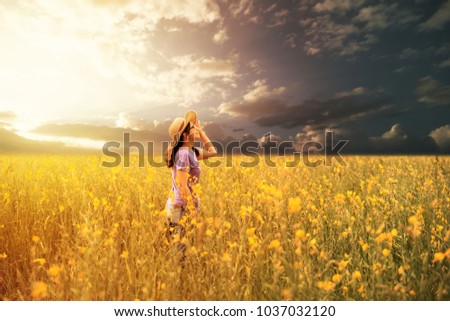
(182, 158)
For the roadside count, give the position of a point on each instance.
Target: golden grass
(378, 229)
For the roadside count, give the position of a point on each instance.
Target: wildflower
(108, 242)
(54, 270)
(287, 294)
(35, 238)
(357, 275)
(250, 231)
(124, 255)
(226, 258)
(326, 285)
(342, 264)
(274, 244)
(439, 257)
(336, 278)
(41, 261)
(3, 256)
(364, 245)
(299, 234)
(385, 252)
(294, 205)
(39, 290)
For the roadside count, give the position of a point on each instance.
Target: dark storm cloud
(325, 30)
(394, 141)
(334, 112)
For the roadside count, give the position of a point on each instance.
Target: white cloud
(433, 92)
(329, 32)
(381, 16)
(323, 32)
(339, 5)
(260, 90)
(241, 7)
(402, 69)
(441, 136)
(439, 19)
(409, 53)
(354, 92)
(445, 63)
(269, 138)
(396, 132)
(125, 120)
(308, 134)
(291, 40)
(221, 36)
(279, 18)
(111, 54)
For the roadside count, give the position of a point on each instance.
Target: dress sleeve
(182, 160)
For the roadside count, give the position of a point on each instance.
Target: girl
(183, 158)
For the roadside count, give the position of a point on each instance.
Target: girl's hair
(170, 162)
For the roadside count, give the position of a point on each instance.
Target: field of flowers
(377, 229)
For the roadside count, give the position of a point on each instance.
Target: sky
(76, 74)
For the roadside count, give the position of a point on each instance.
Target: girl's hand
(199, 130)
(197, 124)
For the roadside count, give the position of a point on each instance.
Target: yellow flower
(394, 232)
(250, 231)
(35, 238)
(385, 252)
(342, 265)
(299, 234)
(357, 275)
(326, 285)
(439, 257)
(54, 270)
(39, 290)
(226, 257)
(287, 294)
(3, 256)
(294, 205)
(124, 255)
(41, 261)
(336, 278)
(274, 244)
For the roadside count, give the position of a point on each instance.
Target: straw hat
(177, 128)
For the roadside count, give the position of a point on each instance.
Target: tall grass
(377, 229)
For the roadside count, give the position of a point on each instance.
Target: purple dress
(185, 160)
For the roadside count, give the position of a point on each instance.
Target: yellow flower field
(377, 229)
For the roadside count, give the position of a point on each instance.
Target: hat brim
(190, 116)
